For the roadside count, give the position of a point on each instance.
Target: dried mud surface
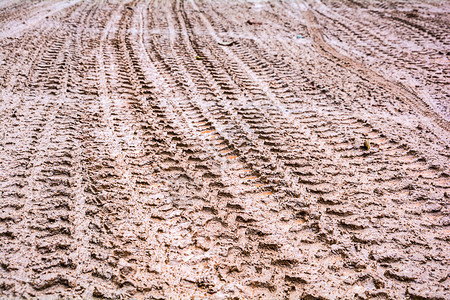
(192, 149)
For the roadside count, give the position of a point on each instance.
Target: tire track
(412, 59)
(162, 197)
(351, 153)
(404, 94)
(326, 94)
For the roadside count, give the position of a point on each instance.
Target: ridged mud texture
(225, 149)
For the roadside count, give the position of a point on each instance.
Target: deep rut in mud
(224, 149)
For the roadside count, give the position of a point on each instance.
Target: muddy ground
(225, 149)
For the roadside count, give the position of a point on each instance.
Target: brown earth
(225, 149)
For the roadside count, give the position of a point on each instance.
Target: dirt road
(225, 149)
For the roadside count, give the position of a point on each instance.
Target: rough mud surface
(178, 149)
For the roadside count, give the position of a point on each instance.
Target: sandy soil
(225, 149)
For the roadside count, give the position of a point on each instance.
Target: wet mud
(225, 149)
